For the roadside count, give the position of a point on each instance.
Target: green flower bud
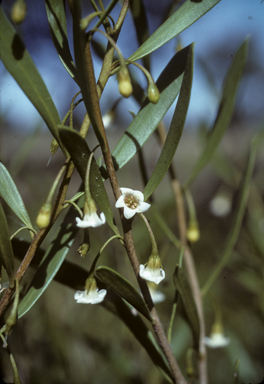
(153, 93)
(83, 249)
(12, 317)
(193, 232)
(124, 82)
(43, 218)
(19, 11)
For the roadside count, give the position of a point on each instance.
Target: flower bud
(83, 249)
(193, 232)
(54, 146)
(18, 11)
(153, 93)
(12, 317)
(124, 82)
(152, 270)
(43, 218)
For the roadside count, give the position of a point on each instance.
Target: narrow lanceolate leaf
(80, 153)
(123, 288)
(141, 24)
(10, 194)
(225, 111)
(6, 251)
(185, 16)
(150, 115)
(136, 325)
(175, 130)
(19, 63)
(182, 285)
(51, 262)
(58, 28)
(234, 230)
(84, 64)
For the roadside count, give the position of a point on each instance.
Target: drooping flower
(157, 296)
(91, 294)
(132, 202)
(217, 338)
(90, 219)
(152, 271)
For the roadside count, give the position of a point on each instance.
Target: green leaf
(136, 325)
(80, 153)
(150, 115)
(123, 288)
(51, 262)
(182, 285)
(58, 28)
(69, 274)
(225, 111)
(141, 24)
(84, 64)
(241, 203)
(175, 131)
(185, 16)
(19, 63)
(10, 194)
(6, 251)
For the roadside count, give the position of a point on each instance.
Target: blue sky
(226, 26)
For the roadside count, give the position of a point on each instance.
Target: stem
(101, 251)
(154, 250)
(189, 263)
(156, 323)
(32, 230)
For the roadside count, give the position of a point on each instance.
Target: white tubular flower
(217, 338)
(91, 294)
(90, 219)
(152, 271)
(132, 202)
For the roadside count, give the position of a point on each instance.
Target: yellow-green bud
(12, 317)
(18, 11)
(193, 232)
(43, 218)
(124, 82)
(153, 93)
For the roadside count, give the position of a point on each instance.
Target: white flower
(91, 220)
(157, 296)
(94, 296)
(132, 202)
(152, 271)
(216, 340)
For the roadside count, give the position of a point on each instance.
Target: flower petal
(91, 220)
(138, 195)
(217, 340)
(93, 297)
(120, 202)
(143, 207)
(157, 296)
(128, 212)
(156, 275)
(126, 190)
